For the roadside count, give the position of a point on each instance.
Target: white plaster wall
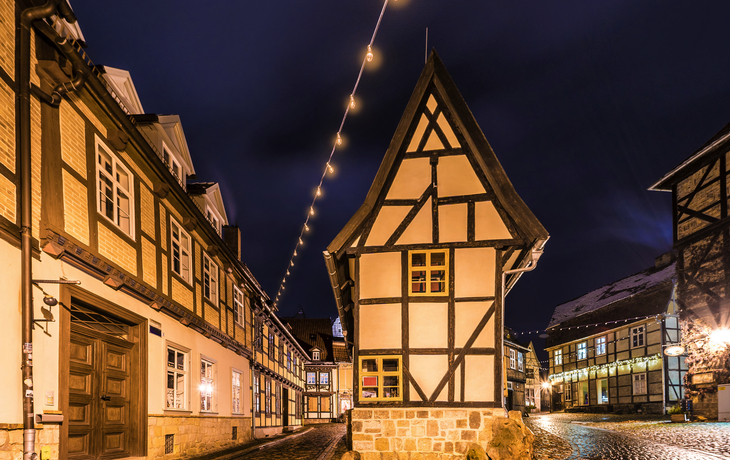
(420, 229)
(452, 222)
(11, 410)
(456, 177)
(385, 224)
(380, 275)
(474, 272)
(411, 180)
(488, 224)
(479, 378)
(380, 326)
(428, 325)
(468, 316)
(427, 371)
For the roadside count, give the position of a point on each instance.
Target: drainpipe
(535, 253)
(27, 17)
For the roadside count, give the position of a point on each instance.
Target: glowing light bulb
(311, 211)
(352, 101)
(283, 287)
(306, 227)
(369, 56)
(287, 273)
(339, 139)
(300, 242)
(291, 262)
(330, 168)
(295, 252)
(319, 191)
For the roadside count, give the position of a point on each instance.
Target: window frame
(641, 379)
(185, 372)
(213, 218)
(520, 362)
(116, 164)
(638, 337)
(238, 310)
(183, 251)
(209, 364)
(380, 374)
(558, 357)
(314, 378)
(315, 356)
(257, 393)
(600, 344)
(581, 350)
(210, 268)
(233, 391)
(512, 358)
(326, 376)
(428, 268)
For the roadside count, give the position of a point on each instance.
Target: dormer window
(213, 219)
(172, 163)
(315, 355)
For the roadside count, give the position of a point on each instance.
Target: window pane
(369, 365)
(390, 365)
(390, 380)
(438, 258)
(170, 358)
(418, 282)
(369, 393)
(181, 361)
(123, 218)
(438, 281)
(418, 260)
(122, 178)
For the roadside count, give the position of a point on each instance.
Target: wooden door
(99, 395)
(285, 406)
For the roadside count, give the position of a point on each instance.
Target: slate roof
(313, 332)
(643, 294)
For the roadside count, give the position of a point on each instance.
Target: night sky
(586, 104)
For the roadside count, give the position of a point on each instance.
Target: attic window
(315, 355)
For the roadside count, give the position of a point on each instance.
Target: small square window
(637, 336)
(601, 345)
(558, 357)
(582, 350)
(428, 272)
(380, 378)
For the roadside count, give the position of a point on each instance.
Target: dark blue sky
(586, 104)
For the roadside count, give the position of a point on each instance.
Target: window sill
(178, 276)
(177, 412)
(208, 412)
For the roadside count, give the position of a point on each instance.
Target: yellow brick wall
(75, 209)
(182, 294)
(117, 250)
(149, 262)
(88, 113)
(198, 261)
(73, 142)
(230, 324)
(211, 315)
(34, 78)
(7, 37)
(163, 261)
(7, 198)
(35, 155)
(199, 298)
(147, 206)
(137, 171)
(7, 125)
(163, 227)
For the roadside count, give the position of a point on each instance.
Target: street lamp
(548, 387)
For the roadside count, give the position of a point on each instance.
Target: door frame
(138, 335)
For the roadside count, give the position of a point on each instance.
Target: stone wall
(705, 406)
(11, 441)
(194, 435)
(420, 433)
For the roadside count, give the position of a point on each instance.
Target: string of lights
(328, 168)
(551, 329)
(615, 364)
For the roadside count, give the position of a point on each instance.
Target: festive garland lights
(615, 364)
(328, 165)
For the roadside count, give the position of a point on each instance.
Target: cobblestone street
(629, 438)
(318, 443)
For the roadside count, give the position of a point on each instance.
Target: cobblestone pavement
(311, 445)
(634, 438)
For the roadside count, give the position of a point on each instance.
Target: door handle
(106, 398)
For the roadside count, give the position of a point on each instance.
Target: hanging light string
(328, 168)
(603, 323)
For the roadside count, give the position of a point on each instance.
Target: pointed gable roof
(435, 77)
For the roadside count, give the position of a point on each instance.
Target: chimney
(232, 238)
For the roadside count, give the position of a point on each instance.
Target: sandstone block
(382, 444)
(455, 414)
(422, 414)
(475, 420)
(362, 445)
(448, 447)
(476, 452)
(410, 444)
(403, 423)
(404, 432)
(461, 423)
(437, 414)
(16, 437)
(432, 428)
(350, 455)
(3, 438)
(424, 445)
(381, 414)
(388, 428)
(410, 414)
(418, 431)
(362, 437)
(359, 414)
(469, 435)
(447, 424)
(371, 456)
(397, 444)
(437, 446)
(397, 414)
(356, 427)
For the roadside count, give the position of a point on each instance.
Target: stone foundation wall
(11, 440)
(194, 435)
(420, 433)
(315, 421)
(706, 406)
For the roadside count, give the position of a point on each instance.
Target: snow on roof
(618, 290)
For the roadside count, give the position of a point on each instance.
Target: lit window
(380, 378)
(180, 251)
(268, 396)
(315, 355)
(257, 392)
(639, 384)
(116, 196)
(176, 379)
(288, 360)
(558, 356)
(509, 386)
(428, 272)
(311, 378)
(602, 391)
(210, 279)
(601, 345)
(207, 385)
(512, 359)
(238, 306)
(236, 407)
(520, 362)
(637, 336)
(582, 350)
(324, 378)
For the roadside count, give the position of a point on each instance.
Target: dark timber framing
(343, 254)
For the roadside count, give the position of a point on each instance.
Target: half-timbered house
(514, 364)
(605, 347)
(701, 228)
(130, 305)
(533, 383)
(419, 274)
